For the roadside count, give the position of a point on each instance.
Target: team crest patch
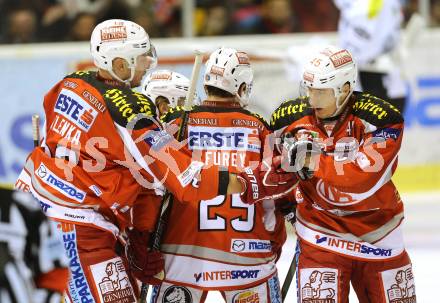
(398, 285)
(177, 294)
(112, 282)
(319, 285)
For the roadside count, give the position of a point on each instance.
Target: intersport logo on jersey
(223, 138)
(75, 109)
(351, 246)
(222, 275)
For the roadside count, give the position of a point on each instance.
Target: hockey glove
(146, 266)
(267, 181)
(300, 150)
(287, 209)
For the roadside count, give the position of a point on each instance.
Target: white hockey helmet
(117, 38)
(166, 83)
(228, 69)
(331, 67)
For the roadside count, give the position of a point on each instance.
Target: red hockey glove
(147, 266)
(267, 181)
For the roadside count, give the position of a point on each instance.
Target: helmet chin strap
(244, 101)
(127, 81)
(340, 107)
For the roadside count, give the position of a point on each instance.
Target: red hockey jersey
(222, 243)
(102, 147)
(351, 205)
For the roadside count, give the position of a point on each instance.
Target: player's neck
(105, 77)
(215, 98)
(221, 101)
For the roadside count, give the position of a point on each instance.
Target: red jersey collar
(110, 82)
(213, 103)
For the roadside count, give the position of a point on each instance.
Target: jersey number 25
(240, 223)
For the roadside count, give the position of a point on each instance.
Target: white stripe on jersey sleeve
(134, 151)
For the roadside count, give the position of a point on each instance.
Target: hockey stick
(168, 198)
(36, 130)
(288, 279)
(290, 273)
(198, 60)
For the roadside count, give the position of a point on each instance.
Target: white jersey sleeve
(369, 28)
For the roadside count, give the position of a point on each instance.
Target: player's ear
(242, 89)
(163, 108)
(346, 88)
(119, 65)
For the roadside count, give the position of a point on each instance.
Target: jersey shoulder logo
(123, 103)
(75, 109)
(172, 114)
(289, 112)
(376, 111)
(127, 106)
(260, 118)
(84, 75)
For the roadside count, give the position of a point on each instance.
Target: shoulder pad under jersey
(260, 118)
(202, 108)
(172, 114)
(123, 103)
(375, 111)
(87, 76)
(290, 111)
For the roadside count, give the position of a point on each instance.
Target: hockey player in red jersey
(77, 173)
(90, 171)
(222, 243)
(344, 146)
(102, 163)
